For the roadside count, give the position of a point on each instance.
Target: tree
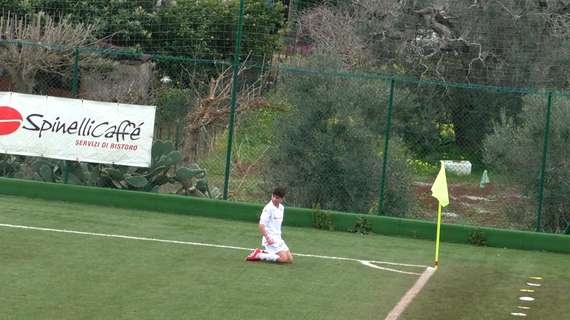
(203, 29)
(119, 23)
(516, 150)
(206, 29)
(204, 32)
(500, 43)
(12, 7)
(206, 112)
(326, 148)
(48, 47)
(504, 43)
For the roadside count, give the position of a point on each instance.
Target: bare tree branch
(335, 32)
(39, 43)
(213, 110)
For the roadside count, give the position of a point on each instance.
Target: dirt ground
(491, 206)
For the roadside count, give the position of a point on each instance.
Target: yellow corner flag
(439, 191)
(439, 187)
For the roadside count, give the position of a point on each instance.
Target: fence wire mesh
(350, 113)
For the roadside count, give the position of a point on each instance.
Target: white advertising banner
(74, 129)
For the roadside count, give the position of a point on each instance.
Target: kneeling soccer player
(276, 249)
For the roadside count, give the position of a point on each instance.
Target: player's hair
(280, 192)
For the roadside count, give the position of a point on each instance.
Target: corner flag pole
(436, 261)
(439, 191)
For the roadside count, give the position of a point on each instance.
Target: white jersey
(271, 218)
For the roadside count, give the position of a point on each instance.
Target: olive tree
(517, 151)
(327, 149)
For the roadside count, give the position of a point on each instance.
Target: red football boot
(253, 255)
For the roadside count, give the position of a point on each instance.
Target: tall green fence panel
(324, 140)
(349, 113)
(554, 215)
(472, 132)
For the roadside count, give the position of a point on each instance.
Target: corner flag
(439, 187)
(439, 191)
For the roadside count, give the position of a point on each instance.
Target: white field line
(411, 294)
(372, 265)
(368, 263)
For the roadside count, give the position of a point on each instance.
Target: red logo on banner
(10, 120)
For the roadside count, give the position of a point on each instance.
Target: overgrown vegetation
(185, 180)
(478, 238)
(328, 146)
(164, 26)
(361, 225)
(322, 219)
(517, 149)
(26, 64)
(319, 129)
(174, 104)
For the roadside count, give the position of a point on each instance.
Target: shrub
(362, 226)
(190, 180)
(322, 220)
(478, 238)
(328, 149)
(517, 150)
(206, 29)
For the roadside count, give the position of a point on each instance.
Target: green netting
(352, 105)
(554, 182)
(505, 43)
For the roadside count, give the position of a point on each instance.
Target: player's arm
(263, 231)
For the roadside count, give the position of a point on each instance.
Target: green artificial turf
(51, 275)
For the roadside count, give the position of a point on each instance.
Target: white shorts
(276, 247)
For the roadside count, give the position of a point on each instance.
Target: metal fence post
(74, 93)
(386, 143)
(235, 70)
(543, 165)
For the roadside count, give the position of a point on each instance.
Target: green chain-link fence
(341, 132)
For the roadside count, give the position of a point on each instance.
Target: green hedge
(294, 216)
